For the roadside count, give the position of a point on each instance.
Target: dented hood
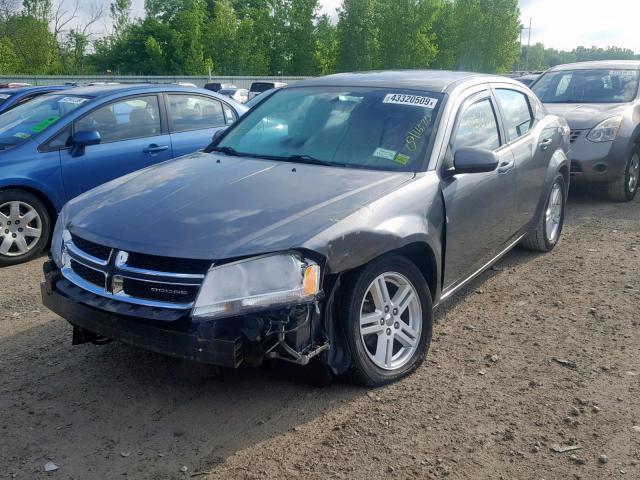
(215, 206)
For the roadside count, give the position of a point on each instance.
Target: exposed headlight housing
(60, 236)
(606, 131)
(257, 283)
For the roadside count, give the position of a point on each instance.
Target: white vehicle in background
(240, 95)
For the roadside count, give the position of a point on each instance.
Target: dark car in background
(377, 196)
(217, 86)
(258, 88)
(62, 144)
(11, 97)
(601, 104)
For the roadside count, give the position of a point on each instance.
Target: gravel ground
(540, 353)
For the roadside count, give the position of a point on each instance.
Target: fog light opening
(600, 168)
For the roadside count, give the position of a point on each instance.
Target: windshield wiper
(310, 160)
(227, 150)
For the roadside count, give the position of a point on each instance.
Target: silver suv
(600, 102)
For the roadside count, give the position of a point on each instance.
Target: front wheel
(624, 189)
(546, 233)
(388, 320)
(24, 227)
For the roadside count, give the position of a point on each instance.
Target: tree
(34, 45)
(8, 59)
(406, 38)
(120, 16)
(358, 35)
(41, 10)
(326, 46)
(300, 29)
(221, 41)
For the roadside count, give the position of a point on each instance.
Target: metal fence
(240, 82)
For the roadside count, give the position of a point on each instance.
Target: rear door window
(517, 112)
(194, 112)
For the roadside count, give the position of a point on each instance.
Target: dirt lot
(541, 352)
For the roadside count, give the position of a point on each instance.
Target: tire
(411, 325)
(16, 208)
(543, 239)
(624, 189)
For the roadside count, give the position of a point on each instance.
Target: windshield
(376, 128)
(227, 91)
(24, 121)
(588, 86)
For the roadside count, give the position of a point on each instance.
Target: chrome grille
(139, 279)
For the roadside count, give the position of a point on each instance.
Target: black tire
(11, 258)
(363, 370)
(620, 191)
(538, 239)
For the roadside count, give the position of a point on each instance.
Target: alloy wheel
(553, 215)
(634, 173)
(20, 228)
(390, 321)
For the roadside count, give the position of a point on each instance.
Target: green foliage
(277, 37)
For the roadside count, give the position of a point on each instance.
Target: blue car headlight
(257, 283)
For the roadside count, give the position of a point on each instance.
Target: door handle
(506, 166)
(153, 148)
(544, 144)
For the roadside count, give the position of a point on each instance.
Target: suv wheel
(548, 228)
(625, 188)
(388, 320)
(24, 227)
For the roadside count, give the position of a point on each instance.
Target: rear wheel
(24, 227)
(548, 228)
(388, 320)
(624, 189)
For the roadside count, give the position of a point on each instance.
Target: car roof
(103, 90)
(32, 88)
(440, 81)
(620, 64)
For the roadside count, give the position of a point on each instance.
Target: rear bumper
(180, 338)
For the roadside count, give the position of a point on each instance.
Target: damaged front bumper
(294, 334)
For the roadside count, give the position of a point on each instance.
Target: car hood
(215, 206)
(582, 116)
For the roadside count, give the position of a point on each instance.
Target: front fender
(413, 214)
(50, 194)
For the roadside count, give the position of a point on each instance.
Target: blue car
(12, 97)
(62, 144)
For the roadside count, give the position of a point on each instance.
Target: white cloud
(566, 24)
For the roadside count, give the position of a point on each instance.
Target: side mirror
(218, 133)
(82, 139)
(474, 160)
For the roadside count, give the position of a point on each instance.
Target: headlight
(60, 236)
(606, 131)
(257, 283)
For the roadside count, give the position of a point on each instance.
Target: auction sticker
(384, 153)
(411, 100)
(73, 100)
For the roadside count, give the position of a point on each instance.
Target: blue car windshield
(356, 127)
(588, 86)
(19, 124)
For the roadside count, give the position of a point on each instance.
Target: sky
(561, 24)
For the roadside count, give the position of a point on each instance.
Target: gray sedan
(324, 225)
(601, 103)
